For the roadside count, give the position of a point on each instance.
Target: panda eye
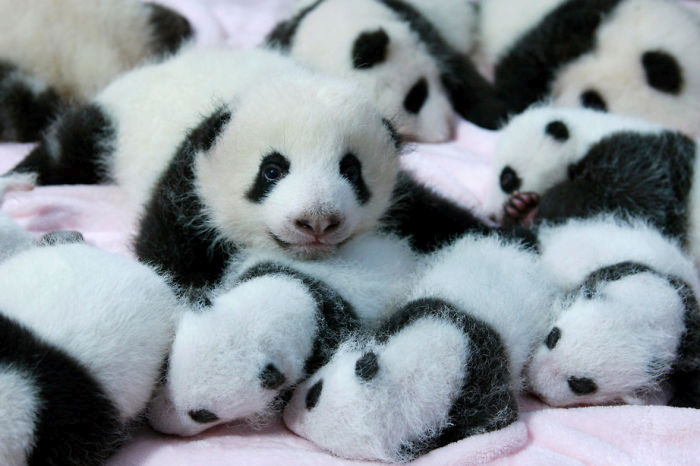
(509, 180)
(553, 338)
(272, 172)
(273, 168)
(350, 168)
(416, 97)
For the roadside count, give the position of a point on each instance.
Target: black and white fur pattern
(411, 55)
(628, 324)
(445, 366)
(632, 57)
(580, 163)
(66, 51)
(274, 322)
(84, 335)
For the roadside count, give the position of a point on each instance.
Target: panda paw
(394, 398)
(521, 208)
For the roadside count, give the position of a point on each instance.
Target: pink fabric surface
(597, 435)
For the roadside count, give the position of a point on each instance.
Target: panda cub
(632, 57)
(556, 163)
(411, 55)
(445, 366)
(65, 51)
(629, 323)
(274, 322)
(83, 338)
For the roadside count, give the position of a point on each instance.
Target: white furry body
(422, 368)
(76, 46)
(219, 353)
(625, 339)
(324, 42)
(114, 316)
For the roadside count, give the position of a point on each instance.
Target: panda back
(111, 314)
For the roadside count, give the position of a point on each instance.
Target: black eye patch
(313, 395)
(203, 416)
(416, 97)
(582, 385)
(663, 72)
(271, 377)
(351, 170)
(273, 168)
(593, 100)
(370, 49)
(509, 180)
(553, 338)
(558, 130)
(367, 366)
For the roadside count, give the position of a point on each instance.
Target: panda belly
(153, 108)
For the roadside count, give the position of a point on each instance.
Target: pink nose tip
(318, 225)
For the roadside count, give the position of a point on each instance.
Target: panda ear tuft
(663, 72)
(370, 48)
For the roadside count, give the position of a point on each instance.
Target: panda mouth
(314, 248)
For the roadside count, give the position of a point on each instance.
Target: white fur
(324, 42)
(422, 367)
(277, 106)
(78, 47)
(456, 21)
(541, 161)
(624, 339)
(218, 354)
(19, 403)
(113, 315)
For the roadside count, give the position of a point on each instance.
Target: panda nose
(318, 225)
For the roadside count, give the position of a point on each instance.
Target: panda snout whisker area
(318, 226)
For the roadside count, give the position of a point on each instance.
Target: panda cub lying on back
(410, 55)
(558, 163)
(631, 57)
(220, 150)
(65, 51)
(628, 325)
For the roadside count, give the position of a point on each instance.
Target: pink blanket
(597, 435)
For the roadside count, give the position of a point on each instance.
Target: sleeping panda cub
(66, 51)
(628, 327)
(556, 163)
(447, 365)
(631, 57)
(273, 323)
(221, 150)
(83, 338)
(411, 56)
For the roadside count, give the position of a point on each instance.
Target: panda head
(365, 42)
(303, 164)
(537, 148)
(652, 75)
(233, 361)
(614, 344)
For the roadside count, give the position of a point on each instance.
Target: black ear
(370, 48)
(663, 71)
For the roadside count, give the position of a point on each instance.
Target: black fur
(367, 367)
(335, 317)
(83, 137)
(370, 49)
(642, 175)
(61, 237)
(509, 180)
(24, 113)
(485, 402)
(525, 73)
(558, 130)
(76, 421)
(271, 377)
(264, 182)
(171, 236)
(663, 72)
(611, 273)
(395, 137)
(282, 35)
(203, 416)
(426, 218)
(582, 385)
(685, 378)
(553, 338)
(592, 99)
(416, 97)
(472, 96)
(313, 395)
(351, 170)
(169, 30)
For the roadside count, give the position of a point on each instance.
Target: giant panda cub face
(304, 164)
(610, 345)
